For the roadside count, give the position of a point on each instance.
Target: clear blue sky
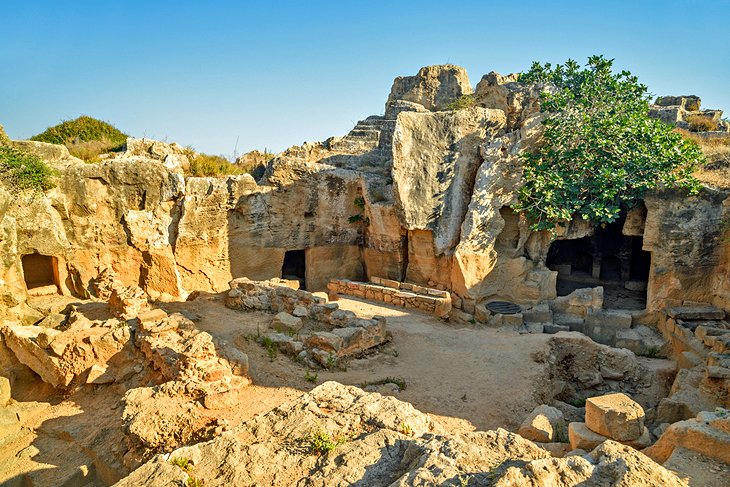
(275, 74)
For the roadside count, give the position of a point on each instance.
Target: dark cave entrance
(295, 267)
(608, 258)
(40, 271)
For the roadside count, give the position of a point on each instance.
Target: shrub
(182, 463)
(209, 165)
(270, 347)
(600, 150)
(21, 171)
(321, 443)
(699, 123)
(310, 377)
(464, 101)
(85, 137)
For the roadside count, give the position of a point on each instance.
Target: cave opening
(40, 271)
(608, 258)
(294, 267)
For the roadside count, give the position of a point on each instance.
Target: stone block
(582, 438)
(513, 320)
(542, 424)
(152, 315)
(538, 314)
(286, 323)
(615, 416)
(573, 322)
(329, 342)
(696, 313)
(629, 339)
(552, 328)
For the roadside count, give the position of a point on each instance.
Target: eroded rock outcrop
(381, 441)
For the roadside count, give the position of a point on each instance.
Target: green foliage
(331, 361)
(359, 203)
(85, 137)
(209, 165)
(182, 463)
(194, 482)
(21, 171)
(310, 377)
(600, 149)
(321, 443)
(464, 101)
(406, 429)
(355, 218)
(270, 347)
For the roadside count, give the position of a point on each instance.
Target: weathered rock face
(688, 239)
(435, 160)
(434, 87)
(422, 194)
(383, 441)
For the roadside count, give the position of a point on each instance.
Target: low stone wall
(347, 334)
(396, 293)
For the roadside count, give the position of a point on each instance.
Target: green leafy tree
(600, 150)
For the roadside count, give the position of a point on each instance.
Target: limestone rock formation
(434, 87)
(373, 446)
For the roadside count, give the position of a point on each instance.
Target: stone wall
(347, 334)
(403, 294)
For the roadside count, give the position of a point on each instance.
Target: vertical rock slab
(435, 160)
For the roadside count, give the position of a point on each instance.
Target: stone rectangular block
(581, 437)
(615, 416)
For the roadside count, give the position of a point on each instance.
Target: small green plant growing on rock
(600, 151)
(194, 482)
(464, 101)
(310, 377)
(320, 442)
(182, 463)
(406, 429)
(22, 171)
(360, 203)
(331, 361)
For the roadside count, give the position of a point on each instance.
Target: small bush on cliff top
(20, 170)
(209, 165)
(600, 149)
(464, 101)
(85, 137)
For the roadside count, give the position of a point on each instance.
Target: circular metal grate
(503, 307)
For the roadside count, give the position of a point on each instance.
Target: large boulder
(616, 416)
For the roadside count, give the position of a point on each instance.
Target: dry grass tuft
(209, 165)
(699, 123)
(716, 171)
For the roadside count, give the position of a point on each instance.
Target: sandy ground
(465, 377)
(473, 378)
